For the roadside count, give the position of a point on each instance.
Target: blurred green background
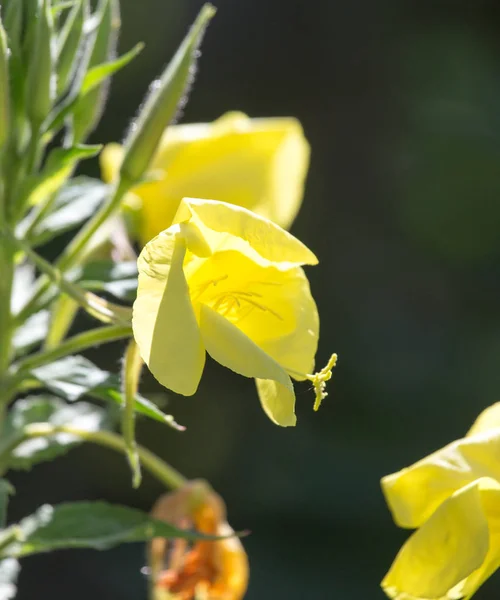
(401, 103)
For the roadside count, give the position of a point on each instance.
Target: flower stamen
(319, 380)
(228, 299)
(203, 287)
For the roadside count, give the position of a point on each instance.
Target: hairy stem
(132, 367)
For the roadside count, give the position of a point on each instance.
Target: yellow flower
(215, 570)
(453, 498)
(225, 281)
(259, 164)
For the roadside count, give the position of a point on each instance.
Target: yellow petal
(487, 420)
(232, 564)
(278, 402)
(233, 349)
(413, 494)
(164, 322)
(291, 163)
(448, 547)
(228, 227)
(490, 500)
(110, 160)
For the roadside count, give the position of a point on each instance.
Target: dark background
(401, 103)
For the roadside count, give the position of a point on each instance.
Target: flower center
(235, 304)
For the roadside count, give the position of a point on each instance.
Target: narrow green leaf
(62, 315)
(71, 377)
(96, 525)
(75, 376)
(75, 203)
(62, 6)
(9, 571)
(88, 110)
(99, 308)
(117, 279)
(48, 409)
(32, 332)
(96, 75)
(143, 406)
(59, 165)
(23, 285)
(69, 44)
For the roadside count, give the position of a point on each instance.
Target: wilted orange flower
(212, 570)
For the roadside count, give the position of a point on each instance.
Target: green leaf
(75, 203)
(96, 525)
(70, 45)
(99, 308)
(58, 167)
(62, 315)
(142, 405)
(75, 376)
(6, 490)
(9, 571)
(88, 110)
(32, 332)
(23, 285)
(71, 377)
(117, 279)
(47, 409)
(96, 75)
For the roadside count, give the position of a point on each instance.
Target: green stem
(166, 474)
(132, 367)
(73, 345)
(77, 343)
(9, 536)
(39, 213)
(77, 246)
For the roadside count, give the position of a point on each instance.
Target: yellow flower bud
(216, 570)
(225, 281)
(260, 164)
(452, 497)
